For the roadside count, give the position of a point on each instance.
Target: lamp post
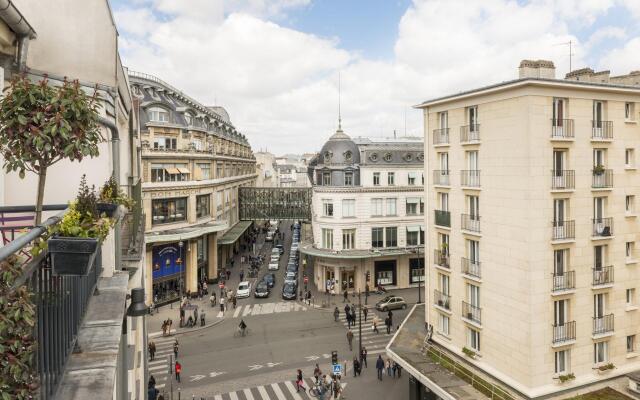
(420, 261)
(182, 269)
(359, 326)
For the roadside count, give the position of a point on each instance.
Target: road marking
(157, 367)
(254, 367)
(292, 390)
(233, 396)
(247, 310)
(268, 308)
(256, 309)
(326, 355)
(271, 365)
(215, 373)
(217, 397)
(263, 392)
(156, 362)
(279, 394)
(237, 312)
(312, 358)
(196, 378)
(248, 394)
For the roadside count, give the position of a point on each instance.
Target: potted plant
(73, 242)
(566, 377)
(469, 353)
(605, 367)
(111, 196)
(598, 169)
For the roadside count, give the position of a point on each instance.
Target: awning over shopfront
(191, 232)
(310, 250)
(232, 235)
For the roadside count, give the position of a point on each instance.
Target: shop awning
(191, 232)
(183, 170)
(172, 171)
(233, 234)
(413, 228)
(310, 250)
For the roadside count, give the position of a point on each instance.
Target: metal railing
(470, 267)
(470, 222)
(563, 230)
(562, 179)
(441, 258)
(602, 130)
(603, 275)
(561, 128)
(564, 332)
(564, 281)
(441, 177)
(602, 227)
(602, 179)
(471, 312)
(470, 178)
(603, 324)
(442, 218)
(470, 133)
(441, 299)
(441, 136)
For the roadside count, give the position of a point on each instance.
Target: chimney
(537, 69)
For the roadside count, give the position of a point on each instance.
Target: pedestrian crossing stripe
(261, 309)
(274, 391)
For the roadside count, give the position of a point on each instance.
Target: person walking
(346, 296)
(399, 370)
(387, 364)
(387, 323)
(336, 314)
(390, 315)
(195, 315)
(202, 319)
(152, 350)
(234, 300)
(241, 275)
(363, 357)
(300, 382)
(164, 328)
(356, 367)
(222, 301)
(317, 373)
(178, 370)
(374, 323)
(212, 299)
(350, 339)
(379, 366)
(393, 369)
(170, 321)
(365, 311)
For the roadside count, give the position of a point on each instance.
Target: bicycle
(241, 332)
(319, 391)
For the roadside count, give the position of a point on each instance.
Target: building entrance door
(348, 280)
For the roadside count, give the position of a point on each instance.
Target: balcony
(443, 218)
(470, 267)
(562, 129)
(441, 136)
(441, 258)
(563, 179)
(603, 276)
(603, 325)
(564, 282)
(602, 227)
(471, 312)
(470, 222)
(602, 178)
(441, 177)
(470, 134)
(563, 230)
(602, 130)
(563, 333)
(442, 300)
(470, 178)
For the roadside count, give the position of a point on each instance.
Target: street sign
(337, 369)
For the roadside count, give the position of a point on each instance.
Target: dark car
(270, 279)
(289, 291)
(280, 247)
(291, 267)
(262, 289)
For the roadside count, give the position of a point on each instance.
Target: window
(376, 207)
(600, 352)
(413, 236)
(348, 208)
(391, 178)
(629, 109)
(157, 114)
(377, 239)
(348, 239)
(327, 238)
(473, 293)
(631, 296)
(416, 270)
(196, 144)
(629, 246)
(628, 158)
(443, 199)
(205, 171)
(219, 200)
(348, 178)
(443, 324)
(391, 236)
(631, 343)
(169, 172)
(169, 210)
(412, 205)
(376, 179)
(411, 178)
(443, 120)
(472, 118)
(327, 208)
(203, 205)
(421, 206)
(629, 203)
(391, 207)
(562, 361)
(162, 143)
(326, 178)
(473, 339)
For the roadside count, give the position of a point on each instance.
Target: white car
(244, 290)
(274, 259)
(275, 252)
(269, 237)
(274, 266)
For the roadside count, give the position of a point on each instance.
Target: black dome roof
(339, 149)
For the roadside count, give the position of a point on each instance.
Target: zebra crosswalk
(374, 342)
(246, 310)
(159, 367)
(275, 391)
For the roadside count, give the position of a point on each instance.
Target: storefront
(203, 259)
(386, 273)
(168, 272)
(416, 270)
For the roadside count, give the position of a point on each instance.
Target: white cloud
(280, 85)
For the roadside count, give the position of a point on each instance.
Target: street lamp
(359, 326)
(182, 270)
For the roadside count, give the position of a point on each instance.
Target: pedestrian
(300, 382)
(350, 339)
(152, 350)
(170, 325)
(393, 369)
(366, 291)
(363, 356)
(387, 323)
(164, 328)
(181, 316)
(355, 367)
(212, 299)
(222, 300)
(390, 315)
(308, 296)
(229, 273)
(348, 317)
(234, 300)
(336, 314)
(374, 323)
(379, 366)
(399, 369)
(317, 373)
(178, 370)
(152, 393)
(175, 349)
(195, 315)
(346, 296)
(241, 275)
(353, 316)
(387, 364)
(152, 381)
(202, 319)
(365, 311)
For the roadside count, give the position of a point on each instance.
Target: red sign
(221, 285)
(306, 279)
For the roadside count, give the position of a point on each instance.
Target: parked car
(244, 289)
(270, 279)
(291, 268)
(275, 252)
(280, 248)
(274, 266)
(391, 303)
(291, 277)
(274, 259)
(262, 289)
(269, 237)
(289, 291)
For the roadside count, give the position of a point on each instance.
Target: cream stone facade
(193, 162)
(532, 190)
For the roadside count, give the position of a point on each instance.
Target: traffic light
(334, 357)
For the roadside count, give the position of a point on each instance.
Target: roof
(232, 235)
(522, 82)
(186, 233)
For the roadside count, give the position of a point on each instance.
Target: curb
(182, 331)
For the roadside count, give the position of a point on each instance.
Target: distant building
(267, 175)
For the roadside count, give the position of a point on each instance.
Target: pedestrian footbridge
(258, 203)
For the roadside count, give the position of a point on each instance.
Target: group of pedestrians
(324, 383)
(393, 369)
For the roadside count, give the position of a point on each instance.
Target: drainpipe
(115, 150)
(20, 27)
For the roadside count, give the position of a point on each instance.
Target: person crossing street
(178, 370)
(380, 366)
(350, 339)
(336, 314)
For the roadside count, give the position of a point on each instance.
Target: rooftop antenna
(571, 53)
(339, 113)
(405, 122)
(394, 133)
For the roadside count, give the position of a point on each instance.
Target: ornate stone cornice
(367, 189)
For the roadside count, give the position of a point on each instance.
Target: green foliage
(606, 367)
(468, 352)
(111, 193)
(18, 378)
(86, 200)
(567, 377)
(598, 169)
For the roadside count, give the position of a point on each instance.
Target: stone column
(212, 253)
(148, 275)
(338, 287)
(191, 209)
(191, 271)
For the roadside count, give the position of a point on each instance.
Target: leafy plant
(566, 377)
(606, 367)
(468, 352)
(18, 379)
(41, 124)
(598, 169)
(111, 193)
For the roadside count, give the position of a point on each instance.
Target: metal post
(420, 280)
(171, 374)
(359, 325)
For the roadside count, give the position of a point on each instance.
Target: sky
(275, 65)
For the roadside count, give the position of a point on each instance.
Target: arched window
(188, 117)
(158, 114)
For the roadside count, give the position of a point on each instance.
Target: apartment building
(368, 223)
(193, 162)
(532, 234)
(265, 168)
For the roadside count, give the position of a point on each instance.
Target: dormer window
(327, 156)
(189, 119)
(348, 156)
(157, 114)
(388, 157)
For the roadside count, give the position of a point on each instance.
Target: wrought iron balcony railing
(441, 299)
(441, 136)
(441, 258)
(443, 218)
(470, 133)
(562, 179)
(603, 324)
(602, 130)
(470, 267)
(564, 281)
(602, 227)
(471, 312)
(561, 128)
(564, 332)
(563, 230)
(603, 275)
(441, 177)
(470, 178)
(602, 178)
(471, 222)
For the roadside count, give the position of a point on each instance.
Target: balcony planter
(604, 368)
(469, 353)
(440, 303)
(72, 255)
(565, 378)
(109, 209)
(598, 170)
